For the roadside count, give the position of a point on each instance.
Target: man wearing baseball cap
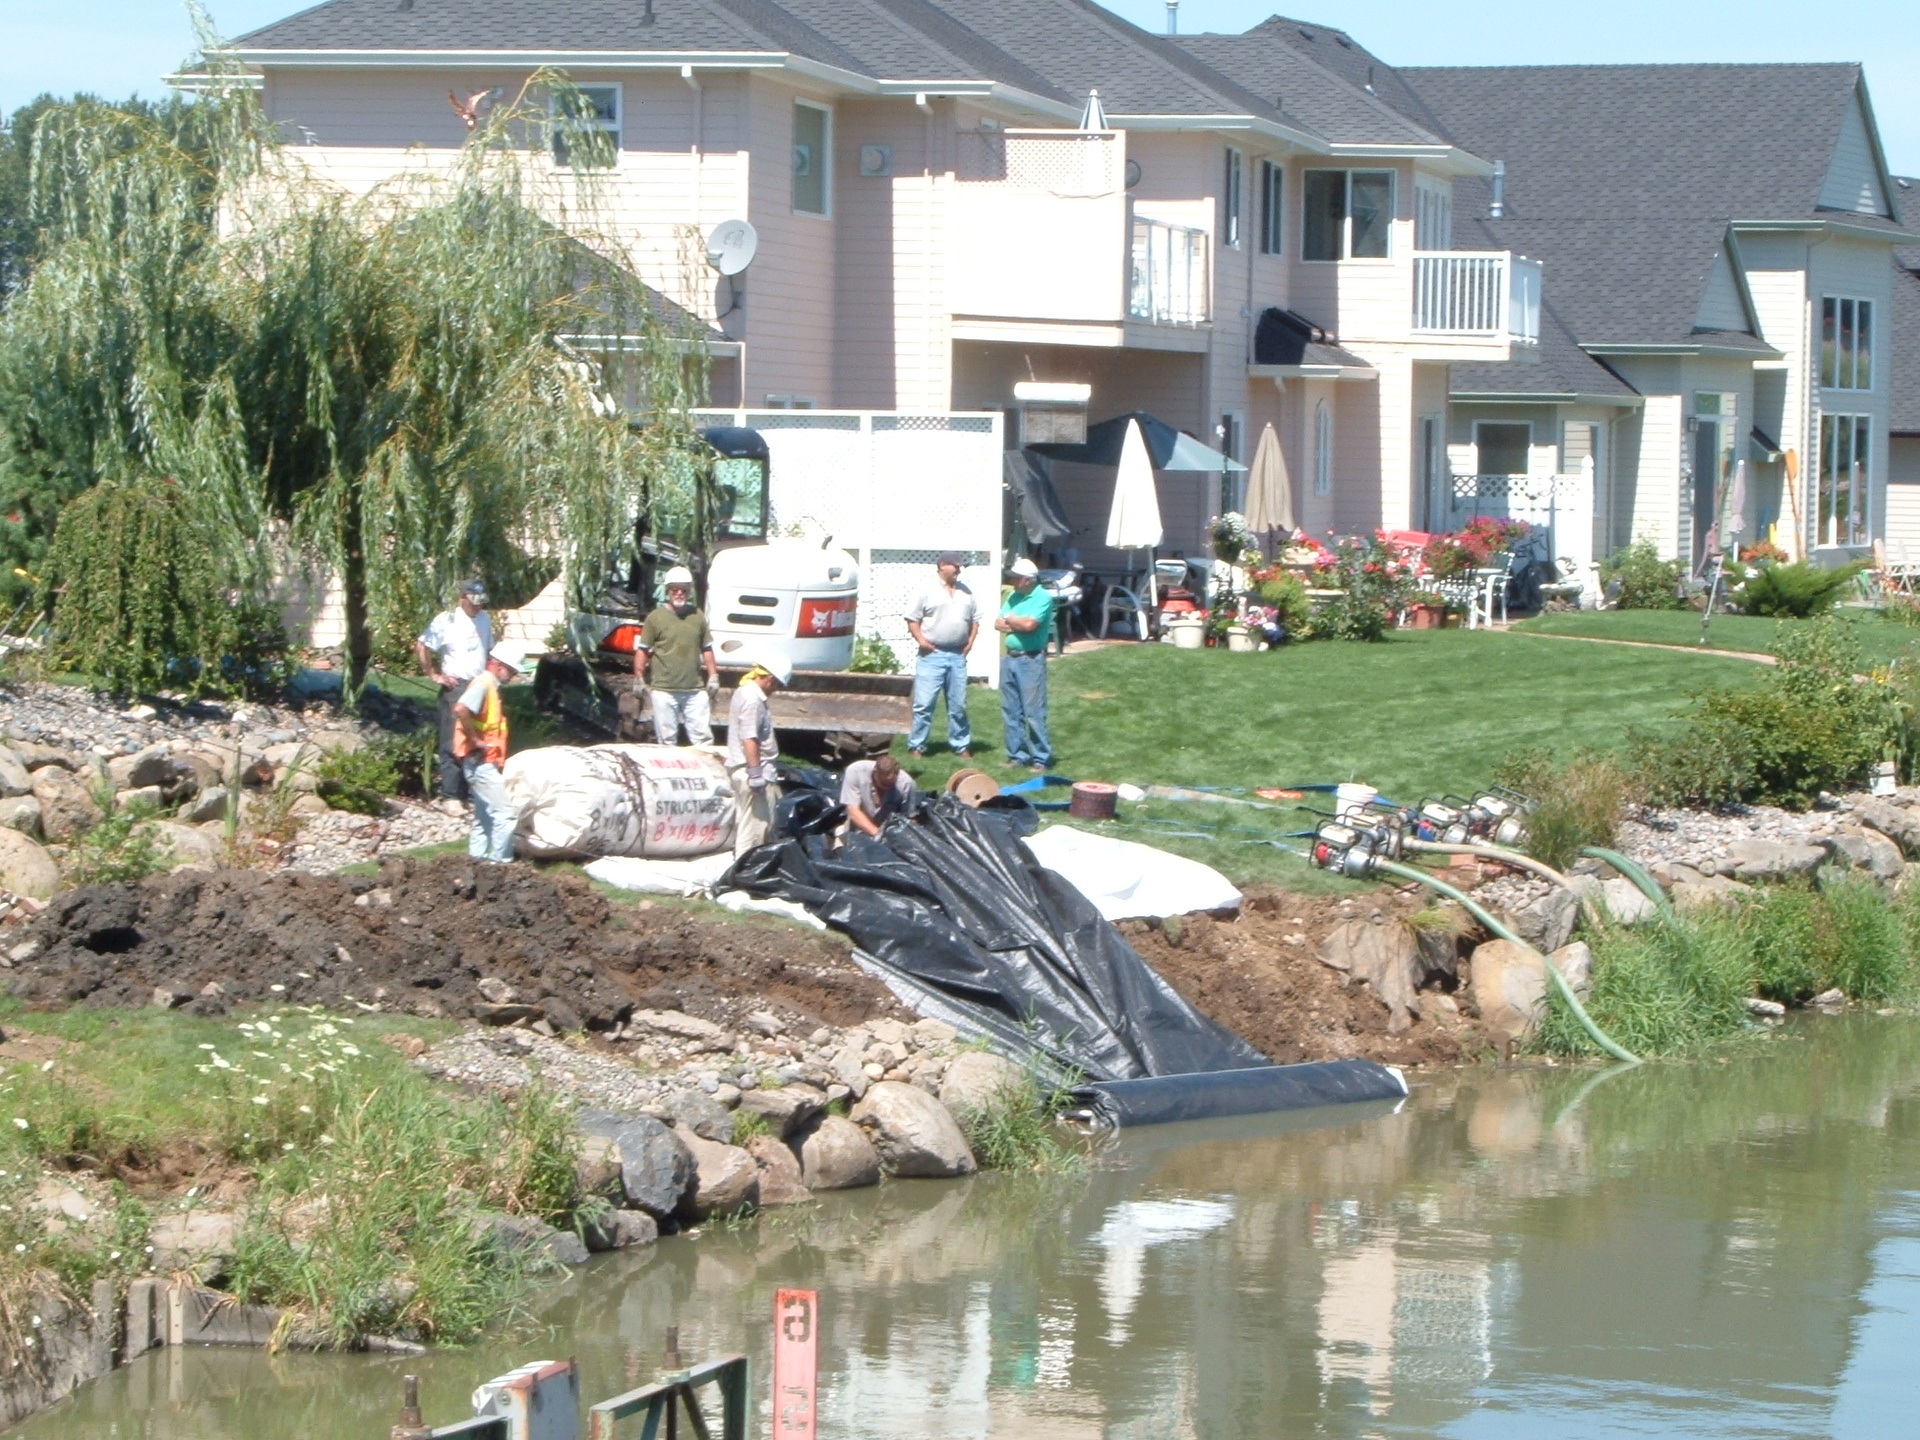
(1026, 620)
(452, 651)
(943, 620)
(675, 646)
(480, 742)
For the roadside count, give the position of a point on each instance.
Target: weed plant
(1577, 802)
(121, 849)
(1017, 1129)
(1666, 987)
(1843, 935)
(749, 1125)
(367, 1215)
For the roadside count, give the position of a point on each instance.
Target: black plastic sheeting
(1209, 1096)
(954, 906)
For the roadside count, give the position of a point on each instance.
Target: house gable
(1723, 304)
(1856, 178)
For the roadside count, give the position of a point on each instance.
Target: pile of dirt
(1256, 973)
(420, 937)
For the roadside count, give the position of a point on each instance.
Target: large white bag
(650, 800)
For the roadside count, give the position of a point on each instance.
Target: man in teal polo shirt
(1026, 619)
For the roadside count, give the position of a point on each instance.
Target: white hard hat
(679, 575)
(776, 665)
(511, 656)
(1024, 568)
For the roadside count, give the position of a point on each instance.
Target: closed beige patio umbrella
(1269, 488)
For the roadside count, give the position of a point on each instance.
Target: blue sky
(116, 47)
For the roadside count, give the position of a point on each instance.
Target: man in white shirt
(874, 791)
(753, 751)
(453, 651)
(943, 620)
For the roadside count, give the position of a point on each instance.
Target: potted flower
(1426, 610)
(1230, 537)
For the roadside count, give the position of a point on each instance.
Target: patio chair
(1122, 601)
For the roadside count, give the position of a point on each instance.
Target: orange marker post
(796, 1338)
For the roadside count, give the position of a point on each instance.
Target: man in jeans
(943, 621)
(453, 651)
(675, 646)
(1026, 619)
(480, 740)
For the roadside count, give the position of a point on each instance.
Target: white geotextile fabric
(685, 878)
(1126, 880)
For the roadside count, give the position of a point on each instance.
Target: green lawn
(1423, 713)
(1880, 639)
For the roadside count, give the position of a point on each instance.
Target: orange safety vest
(491, 722)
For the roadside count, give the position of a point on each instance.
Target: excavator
(796, 597)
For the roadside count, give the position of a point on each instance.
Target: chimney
(1173, 17)
(1498, 209)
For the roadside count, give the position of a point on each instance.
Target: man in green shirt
(1026, 619)
(674, 645)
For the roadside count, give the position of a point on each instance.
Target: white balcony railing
(1169, 284)
(1491, 293)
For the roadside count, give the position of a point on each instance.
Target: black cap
(476, 588)
(947, 557)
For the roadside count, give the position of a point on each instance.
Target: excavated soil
(420, 937)
(1256, 973)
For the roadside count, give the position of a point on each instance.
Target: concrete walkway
(1651, 645)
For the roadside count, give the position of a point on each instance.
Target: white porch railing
(1558, 507)
(1494, 293)
(1169, 278)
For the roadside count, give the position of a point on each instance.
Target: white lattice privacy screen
(895, 490)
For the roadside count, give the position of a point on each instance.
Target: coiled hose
(1600, 1037)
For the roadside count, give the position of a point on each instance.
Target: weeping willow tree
(401, 388)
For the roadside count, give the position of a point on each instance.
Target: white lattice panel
(1070, 163)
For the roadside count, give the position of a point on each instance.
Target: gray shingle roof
(1327, 102)
(1558, 367)
(1333, 50)
(1659, 142)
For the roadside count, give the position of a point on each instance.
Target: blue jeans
(944, 671)
(1023, 705)
(494, 818)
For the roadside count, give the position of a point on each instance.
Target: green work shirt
(1035, 605)
(675, 642)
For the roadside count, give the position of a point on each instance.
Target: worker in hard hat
(751, 750)
(675, 645)
(480, 742)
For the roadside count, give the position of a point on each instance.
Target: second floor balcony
(1476, 294)
(1168, 284)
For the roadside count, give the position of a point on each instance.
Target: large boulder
(837, 1155)
(191, 848)
(199, 1241)
(15, 779)
(781, 1179)
(1897, 822)
(726, 1180)
(1547, 923)
(619, 1230)
(22, 813)
(975, 1081)
(703, 1034)
(1693, 891)
(1774, 859)
(67, 809)
(1385, 954)
(698, 1113)
(785, 1110)
(655, 1166)
(37, 757)
(525, 1233)
(1869, 850)
(1510, 983)
(26, 868)
(914, 1133)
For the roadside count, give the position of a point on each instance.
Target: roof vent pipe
(1498, 209)
(646, 14)
(1173, 17)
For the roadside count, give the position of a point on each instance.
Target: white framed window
(1846, 343)
(1232, 198)
(1347, 215)
(1322, 449)
(1273, 189)
(789, 402)
(1845, 499)
(812, 158)
(1504, 447)
(601, 105)
(1432, 217)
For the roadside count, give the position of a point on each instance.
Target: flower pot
(1189, 632)
(1239, 638)
(1427, 617)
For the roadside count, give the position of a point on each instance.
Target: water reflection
(1707, 1250)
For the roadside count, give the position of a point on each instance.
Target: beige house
(1601, 290)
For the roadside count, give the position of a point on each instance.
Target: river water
(1721, 1249)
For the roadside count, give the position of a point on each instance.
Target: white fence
(1476, 292)
(1559, 506)
(895, 489)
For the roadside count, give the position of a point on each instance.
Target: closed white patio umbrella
(1134, 521)
(1269, 488)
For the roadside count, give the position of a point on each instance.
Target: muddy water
(1717, 1250)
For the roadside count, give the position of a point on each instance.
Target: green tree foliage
(391, 387)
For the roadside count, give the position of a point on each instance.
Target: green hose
(1643, 881)
(1559, 981)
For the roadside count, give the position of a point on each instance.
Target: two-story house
(945, 208)
(1717, 331)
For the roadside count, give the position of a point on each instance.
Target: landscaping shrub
(1646, 582)
(1577, 802)
(1902, 609)
(121, 849)
(874, 656)
(1796, 591)
(1707, 765)
(1285, 593)
(360, 780)
(1374, 582)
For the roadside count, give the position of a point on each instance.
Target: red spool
(1093, 800)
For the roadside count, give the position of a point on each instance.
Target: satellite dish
(731, 245)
